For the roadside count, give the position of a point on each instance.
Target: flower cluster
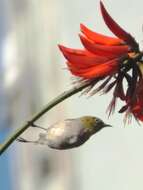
(115, 62)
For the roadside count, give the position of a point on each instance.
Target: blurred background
(32, 72)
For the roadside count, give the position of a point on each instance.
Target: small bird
(69, 133)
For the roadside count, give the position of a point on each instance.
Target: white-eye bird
(69, 133)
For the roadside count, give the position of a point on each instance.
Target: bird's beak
(106, 125)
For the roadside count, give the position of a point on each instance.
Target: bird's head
(93, 124)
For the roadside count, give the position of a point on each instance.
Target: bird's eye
(98, 120)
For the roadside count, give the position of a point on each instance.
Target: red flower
(110, 59)
(134, 103)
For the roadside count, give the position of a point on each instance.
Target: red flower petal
(99, 38)
(82, 58)
(96, 71)
(135, 106)
(116, 29)
(104, 50)
(137, 110)
(140, 117)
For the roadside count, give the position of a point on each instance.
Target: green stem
(49, 106)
